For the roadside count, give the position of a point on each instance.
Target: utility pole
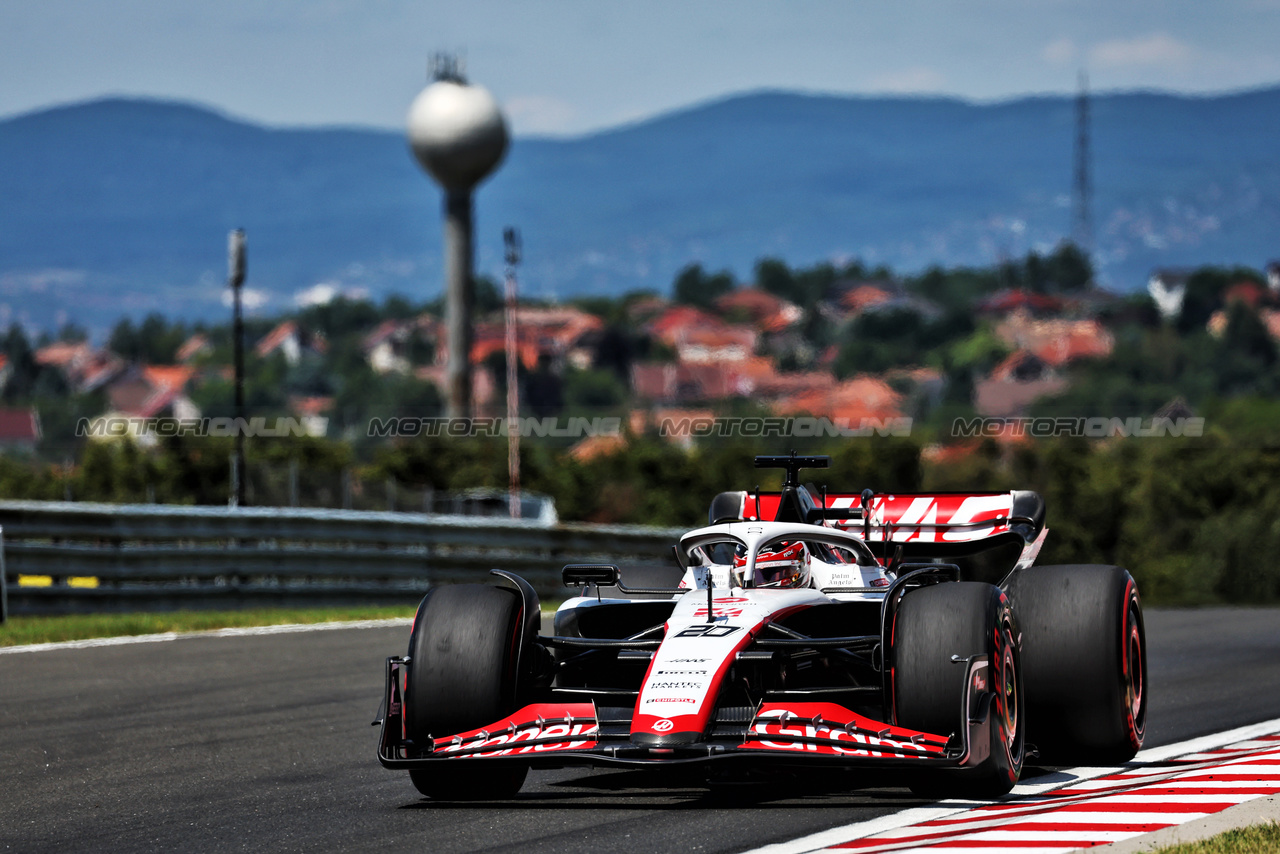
(235, 280)
(511, 242)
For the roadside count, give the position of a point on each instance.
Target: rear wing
(987, 533)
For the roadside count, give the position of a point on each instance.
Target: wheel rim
(1133, 673)
(1008, 687)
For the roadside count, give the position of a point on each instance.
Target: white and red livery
(800, 629)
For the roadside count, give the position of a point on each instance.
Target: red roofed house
(1015, 384)
(1086, 339)
(593, 447)
(1007, 301)
(144, 392)
(152, 391)
(669, 325)
(688, 382)
(701, 338)
(390, 345)
(709, 346)
(65, 355)
(862, 398)
(560, 333)
(19, 430)
(1270, 318)
(683, 383)
(645, 309)
(1251, 294)
(311, 412)
(848, 300)
(168, 376)
(858, 299)
(1057, 341)
(386, 347)
(491, 338)
(85, 368)
(194, 346)
(793, 383)
(769, 313)
(291, 341)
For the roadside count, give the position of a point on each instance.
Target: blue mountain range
(122, 206)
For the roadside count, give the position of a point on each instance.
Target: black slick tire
(1084, 662)
(462, 677)
(962, 619)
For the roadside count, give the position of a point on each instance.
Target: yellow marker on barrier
(86, 582)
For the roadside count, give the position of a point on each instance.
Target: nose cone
(457, 132)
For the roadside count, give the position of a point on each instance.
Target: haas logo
(663, 725)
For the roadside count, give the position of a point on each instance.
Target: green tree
(593, 391)
(1206, 291)
(337, 318)
(1035, 276)
(879, 340)
(1069, 268)
(774, 276)
(22, 363)
(694, 286)
(487, 297)
(155, 341)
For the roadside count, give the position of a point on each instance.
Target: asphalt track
(263, 744)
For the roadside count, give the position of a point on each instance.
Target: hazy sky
(566, 66)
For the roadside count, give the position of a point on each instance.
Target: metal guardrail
(4, 586)
(117, 557)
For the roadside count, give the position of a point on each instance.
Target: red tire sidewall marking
(1130, 633)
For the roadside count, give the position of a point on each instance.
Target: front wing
(559, 734)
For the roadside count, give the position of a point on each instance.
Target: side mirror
(867, 495)
(582, 574)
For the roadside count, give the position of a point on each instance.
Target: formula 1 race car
(806, 630)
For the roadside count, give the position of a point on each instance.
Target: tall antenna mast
(1082, 221)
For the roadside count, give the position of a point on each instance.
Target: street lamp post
(235, 280)
(511, 241)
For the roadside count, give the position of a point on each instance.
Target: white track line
(248, 631)
(944, 809)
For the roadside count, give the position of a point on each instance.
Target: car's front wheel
(462, 658)
(960, 619)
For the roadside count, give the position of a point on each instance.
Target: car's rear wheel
(961, 619)
(1084, 662)
(462, 657)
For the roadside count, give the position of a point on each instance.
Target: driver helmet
(783, 564)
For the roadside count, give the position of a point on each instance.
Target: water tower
(458, 134)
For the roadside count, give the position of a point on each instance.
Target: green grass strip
(27, 630)
(1258, 839)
